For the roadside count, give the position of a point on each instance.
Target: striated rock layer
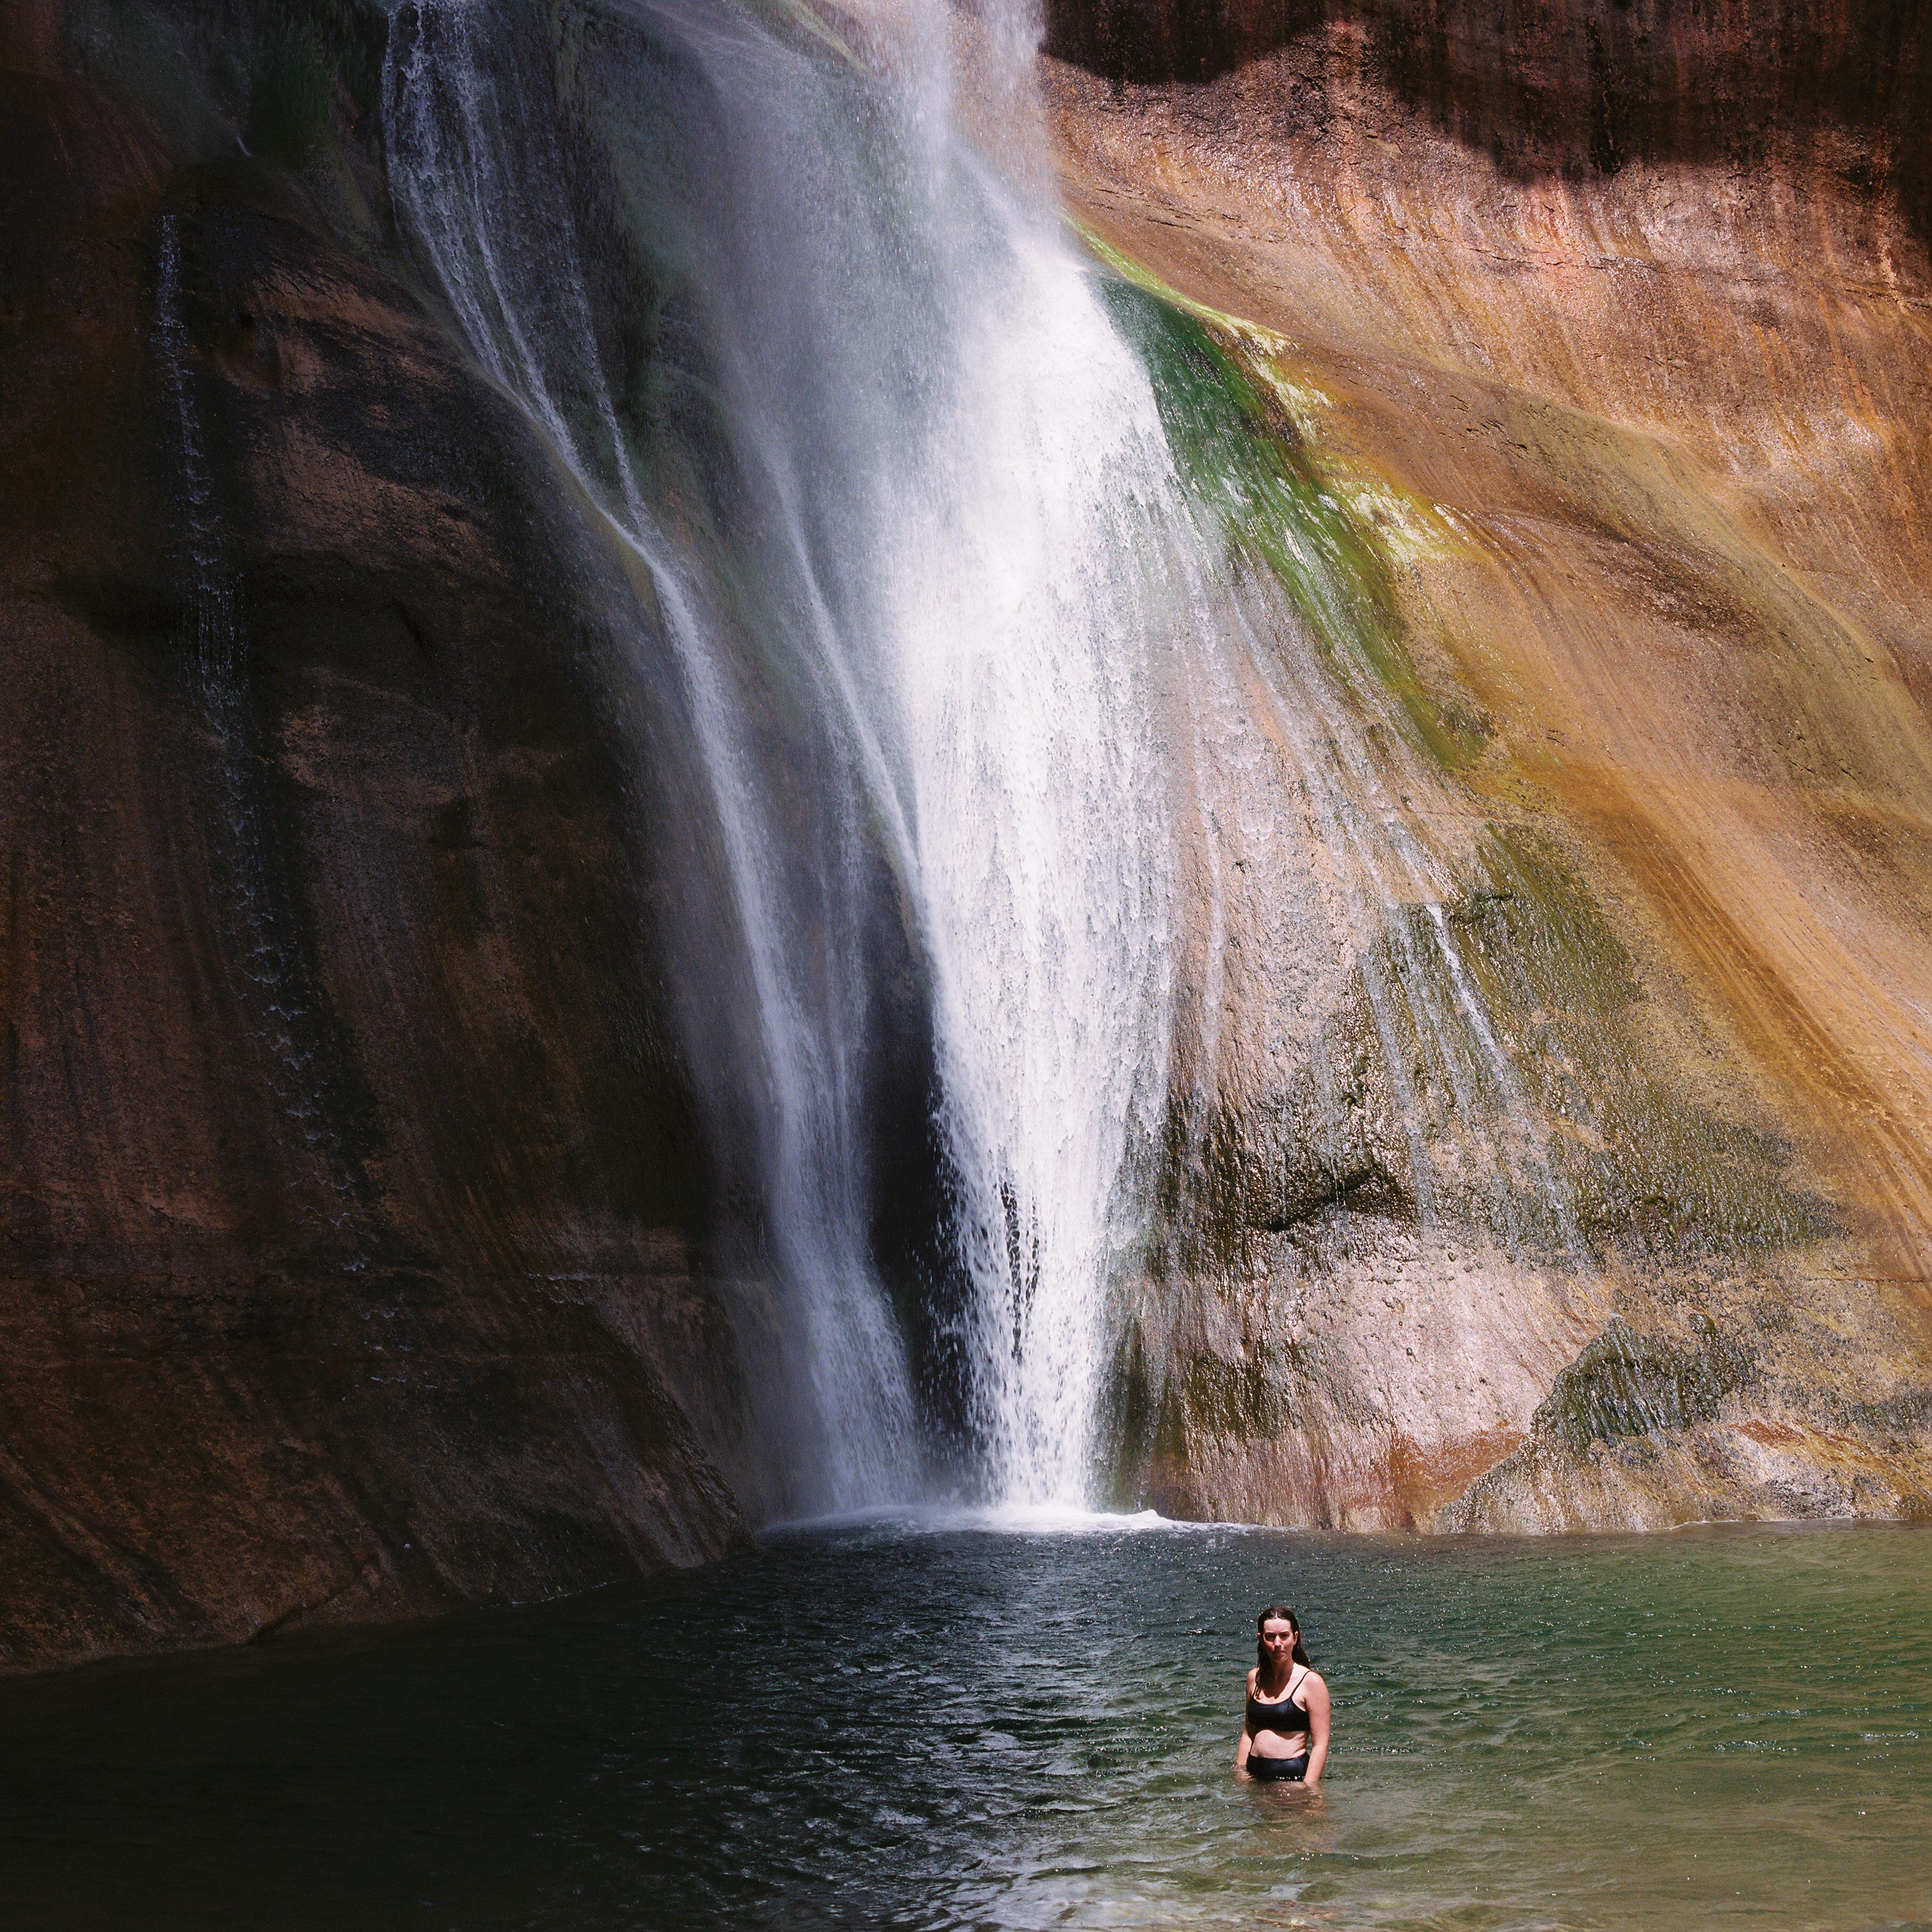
(352, 1248)
(1612, 326)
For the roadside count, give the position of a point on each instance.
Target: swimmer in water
(1286, 1733)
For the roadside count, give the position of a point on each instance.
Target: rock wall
(352, 1252)
(361, 1255)
(1575, 89)
(1609, 324)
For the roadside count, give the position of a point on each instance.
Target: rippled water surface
(945, 1725)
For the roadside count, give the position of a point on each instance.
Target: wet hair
(1280, 1613)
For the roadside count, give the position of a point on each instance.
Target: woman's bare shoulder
(1254, 1671)
(1315, 1677)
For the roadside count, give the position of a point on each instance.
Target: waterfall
(477, 171)
(941, 598)
(957, 467)
(1028, 625)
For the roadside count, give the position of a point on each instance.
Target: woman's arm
(1315, 1695)
(1241, 1749)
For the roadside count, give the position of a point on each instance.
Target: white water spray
(957, 548)
(479, 177)
(966, 485)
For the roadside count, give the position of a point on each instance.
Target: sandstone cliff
(1611, 325)
(352, 1185)
(367, 1251)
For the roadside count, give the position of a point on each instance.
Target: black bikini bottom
(1292, 1769)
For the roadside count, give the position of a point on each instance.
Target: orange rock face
(1619, 321)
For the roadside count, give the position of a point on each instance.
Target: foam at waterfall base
(1052, 1518)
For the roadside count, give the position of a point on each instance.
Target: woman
(1286, 1733)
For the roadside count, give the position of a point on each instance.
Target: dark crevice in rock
(1361, 1187)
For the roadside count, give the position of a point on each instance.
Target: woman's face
(1278, 1640)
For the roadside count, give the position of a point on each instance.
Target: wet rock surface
(362, 1252)
(352, 1258)
(1573, 89)
(1608, 326)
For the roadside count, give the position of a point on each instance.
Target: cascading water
(477, 169)
(958, 466)
(937, 586)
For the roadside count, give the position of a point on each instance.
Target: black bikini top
(1266, 1717)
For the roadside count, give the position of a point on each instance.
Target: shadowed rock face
(1611, 324)
(350, 1263)
(1578, 88)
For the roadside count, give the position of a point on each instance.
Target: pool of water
(945, 1724)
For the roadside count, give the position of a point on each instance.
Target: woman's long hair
(1280, 1613)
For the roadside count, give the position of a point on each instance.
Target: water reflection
(881, 1724)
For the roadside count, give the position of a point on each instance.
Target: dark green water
(884, 1726)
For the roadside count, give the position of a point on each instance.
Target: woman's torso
(1273, 1723)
